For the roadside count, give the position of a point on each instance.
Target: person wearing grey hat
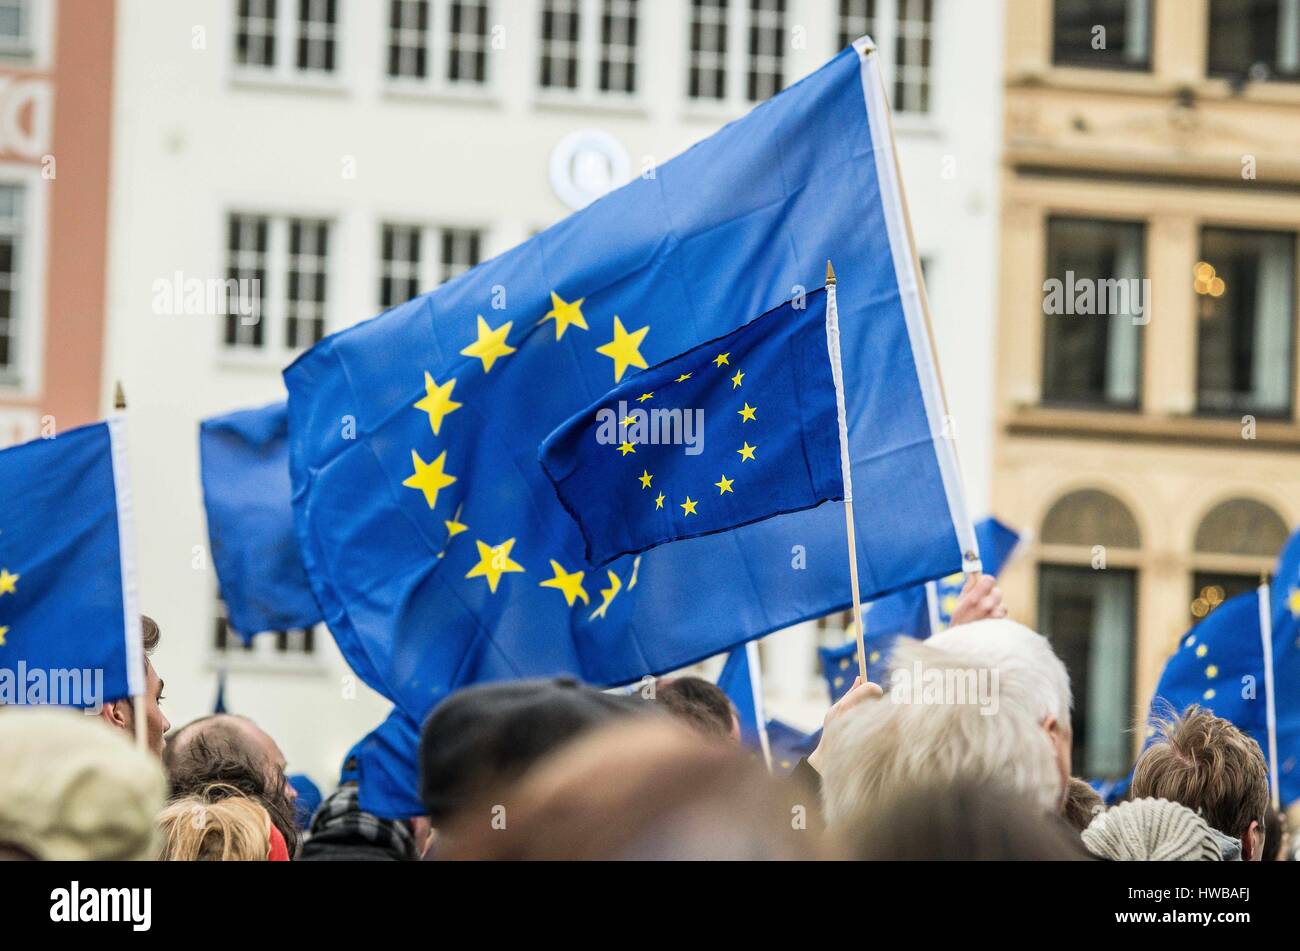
(1152, 830)
(95, 800)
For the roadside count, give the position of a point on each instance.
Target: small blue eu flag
(733, 431)
(385, 766)
(69, 621)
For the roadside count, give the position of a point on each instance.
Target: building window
(1092, 305)
(11, 280)
(415, 258)
(265, 646)
(903, 33)
(731, 39)
(266, 253)
(1245, 298)
(590, 46)
(287, 38)
(1235, 545)
(1089, 616)
(1255, 39)
(17, 31)
(1102, 34)
(443, 42)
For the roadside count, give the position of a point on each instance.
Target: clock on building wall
(586, 165)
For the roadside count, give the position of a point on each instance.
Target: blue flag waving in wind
(681, 450)
(436, 545)
(244, 459)
(68, 613)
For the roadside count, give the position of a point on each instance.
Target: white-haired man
(986, 702)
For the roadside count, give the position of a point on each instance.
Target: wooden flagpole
(137, 700)
(837, 373)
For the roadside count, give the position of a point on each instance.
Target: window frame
(437, 51)
(1214, 72)
(262, 652)
(884, 32)
(430, 264)
(588, 91)
(27, 377)
(39, 53)
(285, 71)
(735, 79)
(1145, 65)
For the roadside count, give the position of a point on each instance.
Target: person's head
(71, 790)
(1212, 768)
(986, 701)
(224, 751)
(215, 827)
(1081, 804)
(961, 821)
(646, 788)
(485, 737)
(121, 713)
(1151, 830)
(698, 704)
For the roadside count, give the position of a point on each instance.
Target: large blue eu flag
(435, 544)
(681, 451)
(69, 619)
(244, 459)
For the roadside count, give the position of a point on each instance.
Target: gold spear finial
(830, 274)
(119, 397)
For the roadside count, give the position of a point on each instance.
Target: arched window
(1236, 542)
(1087, 609)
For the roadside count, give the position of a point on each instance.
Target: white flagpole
(1270, 709)
(760, 707)
(837, 374)
(126, 547)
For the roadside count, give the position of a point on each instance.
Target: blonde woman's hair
(208, 828)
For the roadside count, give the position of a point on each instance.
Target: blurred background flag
(308, 801)
(244, 458)
(667, 455)
(385, 766)
(433, 540)
(67, 570)
(741, 680)
(915, 612)
(789, 745)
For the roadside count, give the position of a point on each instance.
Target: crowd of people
(558, 770)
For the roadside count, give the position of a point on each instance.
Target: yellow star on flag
(627, 421)
(1293, 602)
(491, 344)
(645, 478)
(747, 414)
(567, 583)
(624, 349)
(454, 525)
(659, 502)
(8, 582)
(437, 402)
(627, 449)
(722, 360)
(607, 596)
(3, 632)
(747, 452)
(645, 396)
(493, 562)
(683, 378)
(725, 486)
(737, 380)
(429, 477)
(689, 507)
(565, 315)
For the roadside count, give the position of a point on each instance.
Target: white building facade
(348, 155)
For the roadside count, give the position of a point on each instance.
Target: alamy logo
(655, 427)
(208, 297)
(103, 905)
(1103, 297)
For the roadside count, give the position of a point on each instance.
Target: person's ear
(114, 714)
(1252, 843)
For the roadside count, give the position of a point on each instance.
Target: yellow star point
(493, 562)
(565, 315)
(645, 396)
(683, 378)
(689, 507)
(645, 478)
(455, 526)
(725, 486)
(625, 349)
(607, 595)
(627, 449)
(746, 452)
(8, 582)
(722, 360)
(747, 414)
(491, 344)
(3, 632)
(628, 421)
(659, 502)
(1293, 602)
(437, 402)
(568, 583)
(429, 477)
(737, 380)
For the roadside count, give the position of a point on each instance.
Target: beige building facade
(1146, 427)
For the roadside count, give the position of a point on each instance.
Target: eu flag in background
(435, 544)
(681, 450)
(385, 765)
(915, 612)
(1285, 635)
(738, 683)
(789, 745)
(244, 459)
(67, 568)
